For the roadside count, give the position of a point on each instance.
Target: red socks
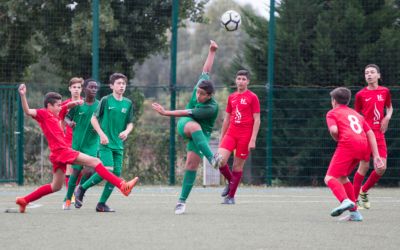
(108, 176)
(226, 172)
(348, 187)
(66, 180)
(39, 193)
(372, 180)
(337, 189)
(234, 183)
(357, 182)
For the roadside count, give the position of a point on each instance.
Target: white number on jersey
(355, 124)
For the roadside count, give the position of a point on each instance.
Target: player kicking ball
(195, 127)
(60, 153)
(355, 141)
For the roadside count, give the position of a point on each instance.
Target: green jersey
(204, 113)
(113, 116)
(84, 138)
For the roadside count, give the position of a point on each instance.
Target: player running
(355, 141)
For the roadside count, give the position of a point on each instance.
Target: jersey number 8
(355, 124)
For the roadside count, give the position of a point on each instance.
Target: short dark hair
(373, 66)
(86, 82)
(243, 72)
(117, 76)
(75, 80)
(341, 95)
(207, 86)
(51, 97)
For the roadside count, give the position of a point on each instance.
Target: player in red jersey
(60, 153)
(75, 88)
(239, 132)
(372, 102)
(355, 141)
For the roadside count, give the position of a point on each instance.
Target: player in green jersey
(113, 122)
(85, 138)
(195, 125)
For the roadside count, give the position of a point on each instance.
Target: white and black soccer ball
(230, 20)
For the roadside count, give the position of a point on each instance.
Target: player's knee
(380, 171)
(56, 187)
(327, 179)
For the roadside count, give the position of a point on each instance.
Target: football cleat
(20, 201)
(345, 205)
(102, 207)
(126, 187)
(180, 208)
(365, 201)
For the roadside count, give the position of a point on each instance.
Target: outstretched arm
(160, 109)
(210, 58)
(24, 101)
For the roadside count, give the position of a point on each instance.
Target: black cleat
(102, 207)
(79, 193)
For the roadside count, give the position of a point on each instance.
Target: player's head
(75, 87)
(52, 101)
(340, 95)
(205, 90)
(242, 79)
(90, 87)
(372, 74)
(118, 83)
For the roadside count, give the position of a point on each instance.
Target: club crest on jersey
(243, 101)
(380, 98)
(123, 110)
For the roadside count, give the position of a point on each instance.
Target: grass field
(263, 218)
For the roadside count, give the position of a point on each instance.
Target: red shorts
(239, 141)
(61, 157)
(344, 160)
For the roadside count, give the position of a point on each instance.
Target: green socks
(202, 144)
(188, 181)
(93, 180)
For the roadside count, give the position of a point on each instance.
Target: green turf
(263, 218)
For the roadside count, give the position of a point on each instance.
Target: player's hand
(103, 140)
(252, 145)
(384, 124)
(157, 107)
(72, 104)
(22, 89)
(123, 135)
(71, 124)
(213, 45)
(378, 163)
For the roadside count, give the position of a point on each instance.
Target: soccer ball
(230, 20)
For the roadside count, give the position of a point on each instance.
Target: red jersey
(371, 104)
(241, 107)
(352, 126)
(51, 127)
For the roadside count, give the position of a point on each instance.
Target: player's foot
(73, 199)
(365, 201)
(21, 202)
(225, 192)
(359, 205)
(79, 194)
(127, 187)
(345, 205)
(216, 161)
(353, 216)
(228, 201)
(67, 205)
(180, 208)
(102, 207)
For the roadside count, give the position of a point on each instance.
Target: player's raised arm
(24, 101)
(210, 58)
(177, 113)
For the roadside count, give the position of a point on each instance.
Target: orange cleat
(126, 187)
(22, 204)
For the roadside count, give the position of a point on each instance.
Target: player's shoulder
(382, 88)
(126, 99)
(66, 101)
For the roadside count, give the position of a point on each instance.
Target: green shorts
(111, 157)
(190, 145)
